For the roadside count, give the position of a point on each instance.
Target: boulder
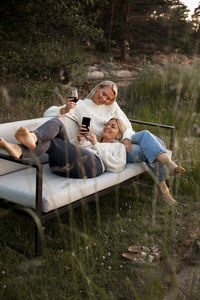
(95, 75)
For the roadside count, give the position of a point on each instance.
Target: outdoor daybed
(30, 183)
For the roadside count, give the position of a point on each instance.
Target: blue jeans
(146, 147)
(65, 159)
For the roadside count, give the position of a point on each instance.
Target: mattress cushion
(7, 131)
(20, 186)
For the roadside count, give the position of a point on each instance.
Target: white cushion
(7, 131)
(19, 187)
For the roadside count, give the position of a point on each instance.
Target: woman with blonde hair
(89, 158)
(100, 105)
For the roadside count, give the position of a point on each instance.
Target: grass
(82, 249)
(82, 258)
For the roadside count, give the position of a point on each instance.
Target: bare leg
(173, 168)
(26, 138)
(164, 193)
(13, 149)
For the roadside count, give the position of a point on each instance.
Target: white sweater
(112, 155)
(99, 114)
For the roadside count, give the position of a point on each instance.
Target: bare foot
(166, 196)
(13, 149)
(26, 138)
(179, 169)
(174, 169)
(164, 193)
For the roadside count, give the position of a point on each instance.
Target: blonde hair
(101, 85)
(122, 127)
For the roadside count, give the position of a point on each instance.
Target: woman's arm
(53, 111)
(121, 115)
(57, 111)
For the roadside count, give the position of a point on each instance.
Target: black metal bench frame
(42, 217)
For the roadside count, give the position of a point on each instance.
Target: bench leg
(38, 242)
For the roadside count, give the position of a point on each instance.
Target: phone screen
(86, 121)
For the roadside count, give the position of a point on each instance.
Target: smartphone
(86, 121)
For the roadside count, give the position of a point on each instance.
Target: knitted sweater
(112, 155)
(99, 114)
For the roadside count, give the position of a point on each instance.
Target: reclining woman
(89, 158)
(100, 105)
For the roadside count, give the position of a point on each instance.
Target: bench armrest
(171, 128)
(20, 161)
(39, 178)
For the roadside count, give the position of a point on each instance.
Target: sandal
(135, 249)
(137, 258)
(142, 254)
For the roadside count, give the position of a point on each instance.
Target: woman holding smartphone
(89, 158)
(100, 105)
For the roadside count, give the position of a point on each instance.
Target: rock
(109, 70)
(124, 83)
(95, 75)
(123, 73)
(92, 68)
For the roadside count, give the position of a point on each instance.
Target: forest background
(44, 47)
(117, 29)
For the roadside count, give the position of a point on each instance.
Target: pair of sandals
(142, 255)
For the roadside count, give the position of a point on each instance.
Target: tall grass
(169, 94)
(82, 253)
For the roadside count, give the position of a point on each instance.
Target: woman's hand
(82, 132)
(68, 105)
(91, 136)
(128, 145)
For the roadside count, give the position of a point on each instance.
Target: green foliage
(173, 92)
(39, 41)
(131, 26)
(144, 26)
(43, 61)
(35, 21)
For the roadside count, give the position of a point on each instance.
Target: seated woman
(89, 158)
(100, 105)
